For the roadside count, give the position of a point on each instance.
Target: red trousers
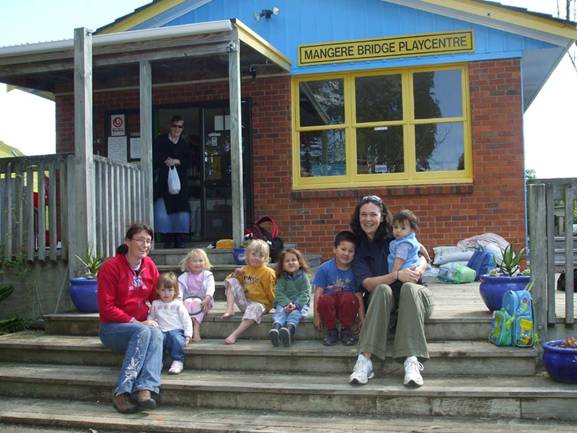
(342, 307)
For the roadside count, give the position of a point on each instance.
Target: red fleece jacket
(118, 300)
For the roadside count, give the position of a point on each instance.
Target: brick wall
(494, 203)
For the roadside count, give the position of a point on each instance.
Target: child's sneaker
(331, 338)
(274, 336)
(176, 367)
(285, 336)
(347, 337)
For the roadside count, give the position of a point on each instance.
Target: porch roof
(178, 53)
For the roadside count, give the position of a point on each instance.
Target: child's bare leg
(244, 325)
(195, 331)
(229, 311)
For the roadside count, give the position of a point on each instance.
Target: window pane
(380, 150)
(323, 153)
(322, 102)
(440, 147)
(379, 98)
(437, 94)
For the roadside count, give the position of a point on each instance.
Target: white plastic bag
(173, 181)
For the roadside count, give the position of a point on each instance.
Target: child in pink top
(196, 287)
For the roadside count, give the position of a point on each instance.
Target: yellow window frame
(410, 176)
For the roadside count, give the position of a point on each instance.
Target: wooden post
(236, 139)
(569, 196)
(82, 232)
(538, 255)
(146, 140)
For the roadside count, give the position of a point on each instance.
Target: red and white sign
(117, 125)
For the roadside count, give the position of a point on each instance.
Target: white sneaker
(176, 367)
(362, 371)
(413, 370)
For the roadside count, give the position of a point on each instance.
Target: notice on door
(117, 125)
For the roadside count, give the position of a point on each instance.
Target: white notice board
(117, 148)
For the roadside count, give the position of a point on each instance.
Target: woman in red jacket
(126, 282)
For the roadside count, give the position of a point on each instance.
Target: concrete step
(470, 327)
(507, 398)
(31, 415)
(457, 358)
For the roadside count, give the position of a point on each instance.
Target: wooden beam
(146, 138)
(82, 233)
(236, 139)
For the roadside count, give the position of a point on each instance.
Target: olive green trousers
(415, 305)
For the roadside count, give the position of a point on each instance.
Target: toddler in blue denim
(173, 320)
(293, 296)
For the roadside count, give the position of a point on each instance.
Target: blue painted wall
(311, 21)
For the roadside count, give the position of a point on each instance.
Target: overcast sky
(27, 122)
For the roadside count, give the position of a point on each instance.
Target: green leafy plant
(91, 264)
(14, 324)
(510, 264)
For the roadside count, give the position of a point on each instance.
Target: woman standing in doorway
(171, 211)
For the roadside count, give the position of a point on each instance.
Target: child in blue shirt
(337, 298)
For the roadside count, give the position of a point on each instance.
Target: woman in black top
(171, 211)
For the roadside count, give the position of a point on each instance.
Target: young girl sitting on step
(173, 320)
(196, 287)
(293, 295)
(251, 288)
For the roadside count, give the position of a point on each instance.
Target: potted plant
(560, 359)
(506, 276)
(83, 289)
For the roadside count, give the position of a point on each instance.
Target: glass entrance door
(217, 174)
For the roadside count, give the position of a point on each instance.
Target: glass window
(380, 150)
(439, 147)
(379, 98)
(322, 102)
(410, 127)
(322, 153)
(437, 94)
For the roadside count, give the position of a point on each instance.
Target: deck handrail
(552, 247)
(25, 213)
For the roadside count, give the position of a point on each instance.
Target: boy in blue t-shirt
(337, 298)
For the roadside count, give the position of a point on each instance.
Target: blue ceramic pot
(238, 256)
(493, 288)
(560, 362)
(83, 292)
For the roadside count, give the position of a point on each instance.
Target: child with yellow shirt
(251, 288)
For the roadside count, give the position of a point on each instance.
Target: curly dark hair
(385, 229)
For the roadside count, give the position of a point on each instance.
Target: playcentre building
(418, 101)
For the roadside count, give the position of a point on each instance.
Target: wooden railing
(552, 207)
(35, 196)
(119, 202)
(33, 193)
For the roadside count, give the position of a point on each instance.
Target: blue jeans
(174, 344)
(294, 317)
(142, 348)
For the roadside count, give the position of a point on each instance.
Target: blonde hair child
(251, 288)
(173, 320)
(197, 287)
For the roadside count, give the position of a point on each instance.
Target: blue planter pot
(493, 288)
(83, 292)
(560, 362)
(238, 256)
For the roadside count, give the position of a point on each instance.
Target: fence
(35, 195)
(552, 210)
